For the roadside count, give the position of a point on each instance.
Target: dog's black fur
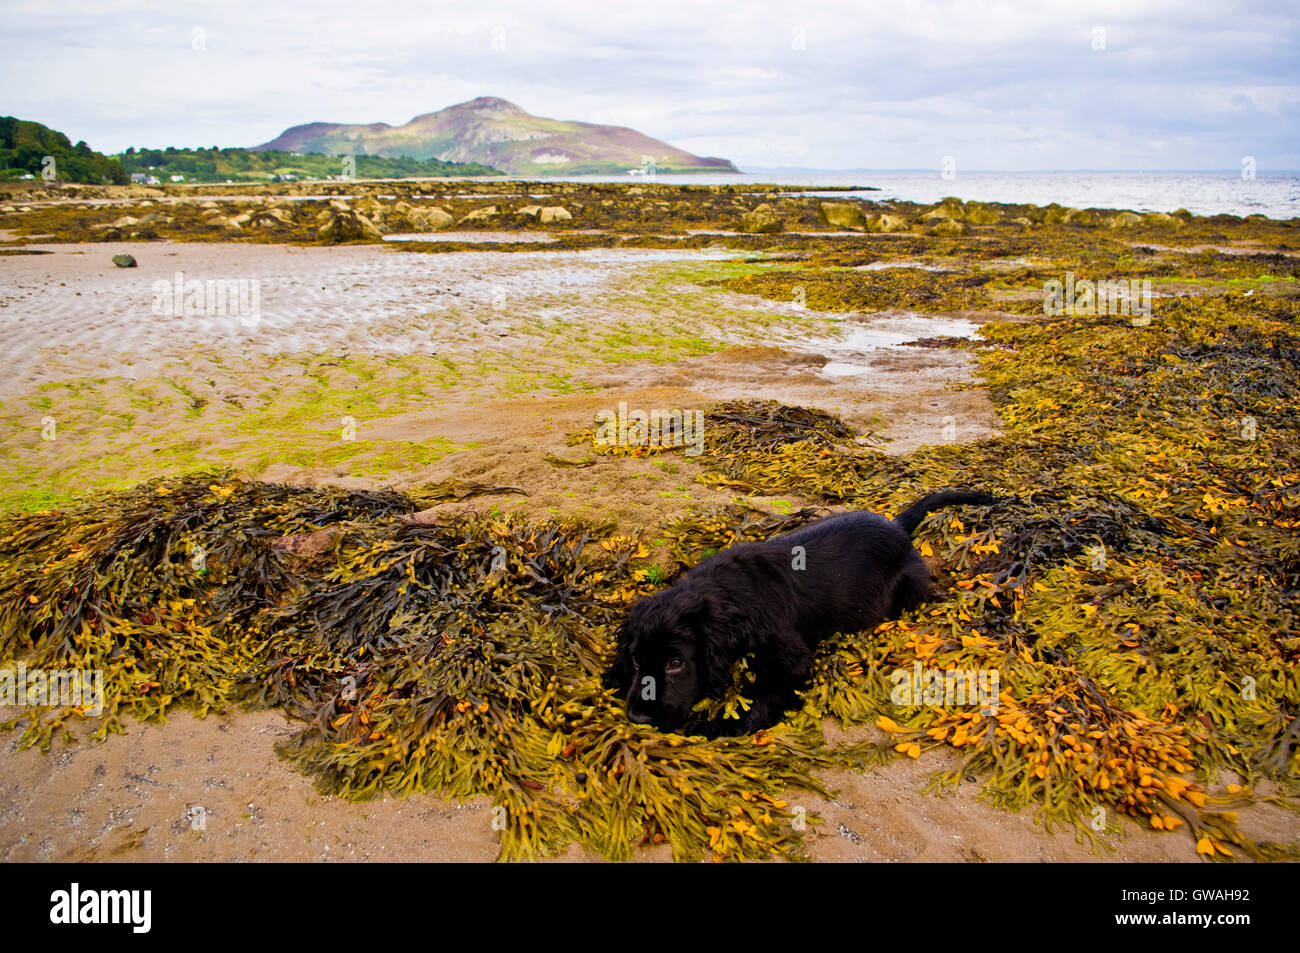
(678, 646)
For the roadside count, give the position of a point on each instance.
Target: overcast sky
(1032, 84)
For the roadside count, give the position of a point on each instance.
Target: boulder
(272, 217)
(348, 226)
(1163, 219)
(554, 213)
(947, 228)
(762, 220)
(124, 261)
(428, 219)
(948, 208)
(532, 211)
(887, 222)
(842, 214)
(126, 221)
(1078, 216)
(977, 213)
(1055, 214)
(480, 215)
(1124, 220)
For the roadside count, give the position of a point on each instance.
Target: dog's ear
(621, 669)
(717, 647)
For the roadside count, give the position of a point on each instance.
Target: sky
(1016, 86)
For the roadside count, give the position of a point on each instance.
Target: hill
(500, 134)
(24, 146)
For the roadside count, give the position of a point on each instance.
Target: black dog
(777, 599)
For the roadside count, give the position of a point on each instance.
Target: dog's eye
(674, 665)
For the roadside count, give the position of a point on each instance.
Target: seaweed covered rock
(762, 220)
(947, 228)
(348, 226)
(480, 216)
(887, 222)
(1124, 220)
(1163, 220)
(429, 219)
(842, 214)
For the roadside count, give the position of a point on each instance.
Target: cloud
(1027, 85)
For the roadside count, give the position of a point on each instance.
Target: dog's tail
(911, 517)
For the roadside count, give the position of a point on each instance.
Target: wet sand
(71, 315)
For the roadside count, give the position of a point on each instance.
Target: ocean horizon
(1273, 194)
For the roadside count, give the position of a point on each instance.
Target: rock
(1124, 220)
(480, 215)
(977, 213)
(428, 219)
(554, 213)
(1078, 216)
(948, 208)
(126, 221)
(636, 190)
(532, 211)
(219, 221)
(349, 226)
(272, 217)
(842, 214)
(762, 220)
(1022, 222)
(947, 228)
(209, 205)
(887, 222)
(124, 261)
(307, 545)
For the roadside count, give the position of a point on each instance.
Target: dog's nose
(639, 718)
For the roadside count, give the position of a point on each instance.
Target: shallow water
(851, 354)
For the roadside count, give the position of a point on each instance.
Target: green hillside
(246, 165)
(25, 144)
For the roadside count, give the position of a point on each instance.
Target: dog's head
(669, 657)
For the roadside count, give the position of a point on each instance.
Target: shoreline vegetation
(439, 623)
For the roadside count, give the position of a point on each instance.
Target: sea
(1274, 194)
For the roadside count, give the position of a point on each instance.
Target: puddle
(851, 355)
(485, 238)
(883, 265)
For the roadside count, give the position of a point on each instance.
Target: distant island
(498, 133)
(482, 137)
(26, 148)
